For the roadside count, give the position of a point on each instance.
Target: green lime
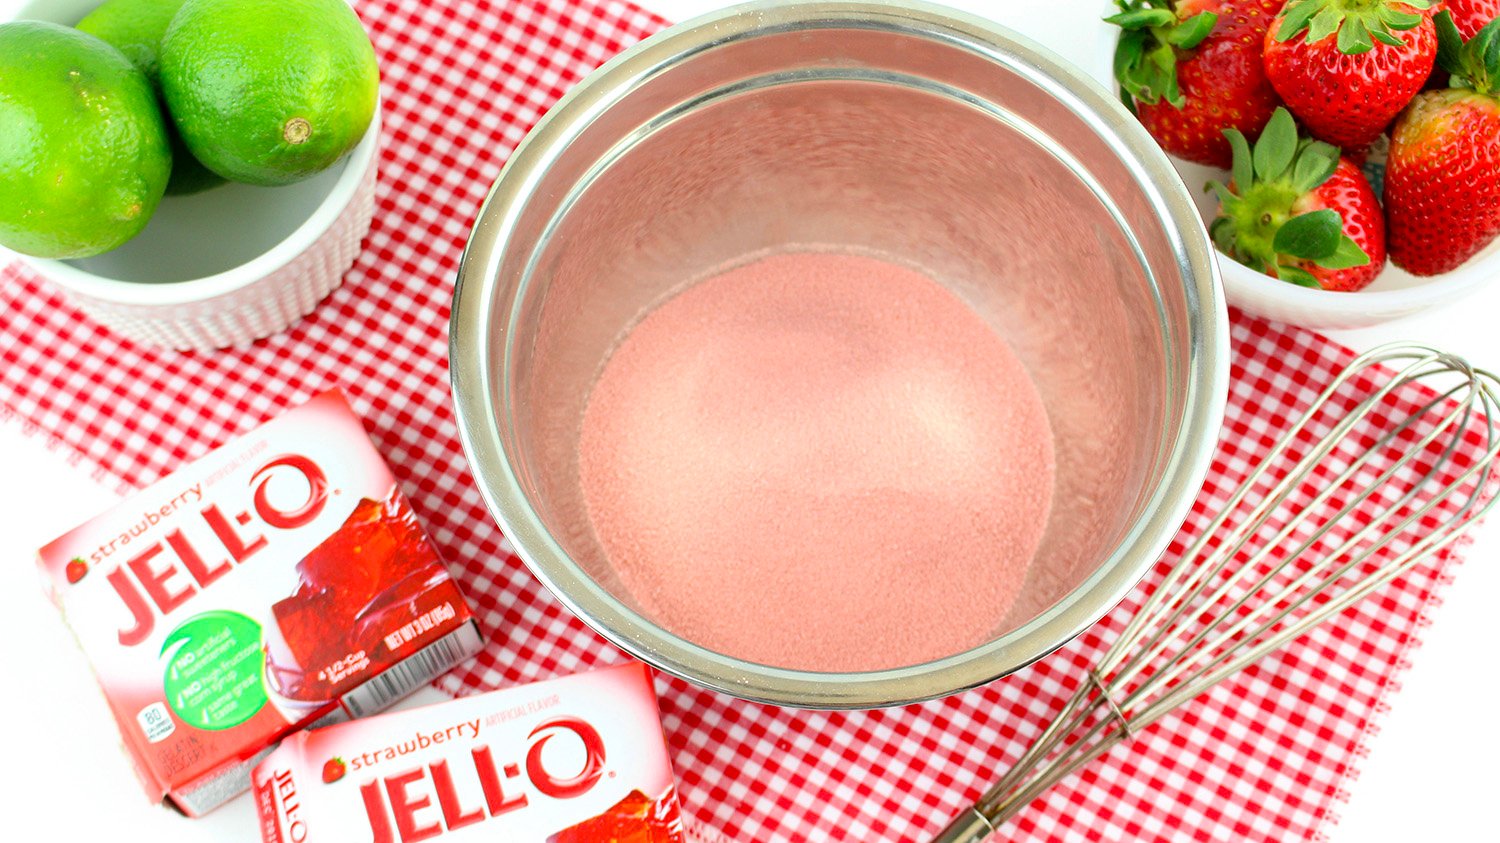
(269, 93)
(135, 28)
(84, 157)
(188, 173)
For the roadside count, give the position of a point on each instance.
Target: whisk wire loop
(1400, 485)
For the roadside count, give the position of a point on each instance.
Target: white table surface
(1428, 776)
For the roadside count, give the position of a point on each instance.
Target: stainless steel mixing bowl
(898, 129)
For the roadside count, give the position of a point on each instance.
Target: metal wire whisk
(1401, 487)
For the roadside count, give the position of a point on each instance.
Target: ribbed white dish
(246, 302)
(1394, 294)
(227, 266)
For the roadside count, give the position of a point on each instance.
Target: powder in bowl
(818, 461)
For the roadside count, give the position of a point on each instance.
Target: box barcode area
(415, 670)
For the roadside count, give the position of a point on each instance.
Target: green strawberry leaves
(1140, 18)
(1312, 235)
(1191, 32)
(1358, 23)
(1243, 167)
(1146, 57)
(1450, 54)
(1474, 63)
(1297, 275)
(1316, 163)
(1318, 236)
(1277, 145)
(1347, 255)
(1297, 16)
(1281, 152)
(1354, 37)
(1257, 223)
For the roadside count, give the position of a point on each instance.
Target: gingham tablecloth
(1266, 757)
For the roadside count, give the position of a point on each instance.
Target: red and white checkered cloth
(1265, 757)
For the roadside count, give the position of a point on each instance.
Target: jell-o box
(574, 760)
(279, 581)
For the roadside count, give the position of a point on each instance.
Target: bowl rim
(477, 403)
(356, 164)
(1245, 286)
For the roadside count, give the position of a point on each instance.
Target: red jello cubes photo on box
(362, 594)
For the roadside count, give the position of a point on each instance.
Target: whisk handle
(969, 827)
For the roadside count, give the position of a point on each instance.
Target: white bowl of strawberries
(1350, 154)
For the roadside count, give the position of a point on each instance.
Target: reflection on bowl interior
(965, 197)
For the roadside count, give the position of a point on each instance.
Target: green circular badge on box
(215, 678)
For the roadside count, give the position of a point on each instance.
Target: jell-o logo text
(524, 763)
(400, 805)
(165, 575)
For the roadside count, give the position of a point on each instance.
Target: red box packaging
(574, 760)
(280, 580)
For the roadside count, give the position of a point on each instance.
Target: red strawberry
(1346, 90)
(333, 770)
(76, 569)
(1299, 211)
(1442, 180)
(1192, 69)
(1470, 16)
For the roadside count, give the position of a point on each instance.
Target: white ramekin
(1394, 294)
(301, 240)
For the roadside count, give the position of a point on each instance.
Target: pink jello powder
(818, 461)
(278, 581)
(579, 759)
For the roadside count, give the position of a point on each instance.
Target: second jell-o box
(574, 760)
(278, 581)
